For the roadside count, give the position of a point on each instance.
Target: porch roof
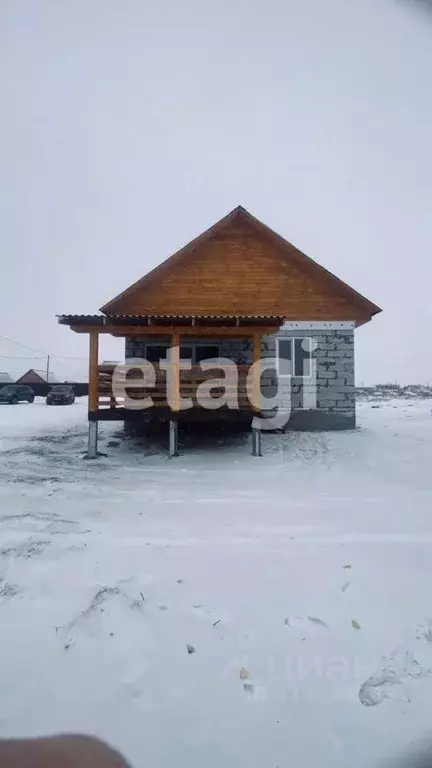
(99, 321)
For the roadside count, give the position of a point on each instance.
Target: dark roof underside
(101, 320)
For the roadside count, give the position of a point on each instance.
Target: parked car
(61, 394)
(15, 393)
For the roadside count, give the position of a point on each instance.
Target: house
(243, 293)
(35, 376)
(5, 378)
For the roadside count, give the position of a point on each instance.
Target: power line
(25, 346)
(61, 360)
(13, 357)
(70, 357)
(33, 349)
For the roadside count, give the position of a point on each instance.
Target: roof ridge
(287, 251)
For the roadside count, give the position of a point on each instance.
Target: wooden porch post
(175, 393)
(93, 396)
(175, 375)
(256, 380)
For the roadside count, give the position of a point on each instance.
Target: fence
(41, 389)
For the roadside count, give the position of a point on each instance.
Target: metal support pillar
(256, 442)
(173, 439)
(93, 440)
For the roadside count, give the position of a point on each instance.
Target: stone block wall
(326, 399)
(323, 400)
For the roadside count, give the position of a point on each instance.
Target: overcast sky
(129, 126)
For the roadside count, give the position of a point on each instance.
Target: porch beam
(244, 331)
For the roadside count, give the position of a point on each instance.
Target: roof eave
(358, 300)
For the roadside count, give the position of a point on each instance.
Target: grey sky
(129, 126)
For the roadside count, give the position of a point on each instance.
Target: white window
(285, 357)
(294, 356)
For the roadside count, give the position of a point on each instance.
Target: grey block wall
(333, 366)
(323, 400)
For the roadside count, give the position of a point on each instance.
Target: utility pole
(48, 369)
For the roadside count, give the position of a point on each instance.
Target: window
(155, 352)
(206, 351)
(294, 357)
(302, 357)
(186, 353)
(194, 352)
(285, 357)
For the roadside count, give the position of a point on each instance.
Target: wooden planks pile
(234, 386)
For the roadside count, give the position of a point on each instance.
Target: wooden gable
(240, 267)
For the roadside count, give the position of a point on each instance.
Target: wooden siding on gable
(242, 270)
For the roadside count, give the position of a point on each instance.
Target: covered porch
(178, 349)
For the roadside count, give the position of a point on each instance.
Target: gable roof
(36, 375)
(301, 276)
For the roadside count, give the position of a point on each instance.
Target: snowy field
(216, 609)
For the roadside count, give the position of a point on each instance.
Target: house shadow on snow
(152, 437)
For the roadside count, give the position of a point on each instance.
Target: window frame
(154, 344)
(285, 339)
(293, 375)
(190, 346)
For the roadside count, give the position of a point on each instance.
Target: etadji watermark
(264, 386)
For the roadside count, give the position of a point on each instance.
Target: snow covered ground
(218, 609)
